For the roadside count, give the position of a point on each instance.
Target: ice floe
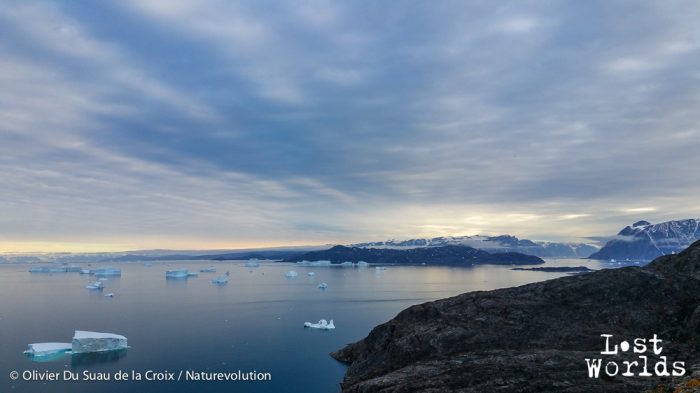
(220, 280)
(107, 271)
(322, 324)
(95, 286)
(291, 273)
(177, 273)
(322, 285)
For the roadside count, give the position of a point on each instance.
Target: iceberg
(208, 270)
(346, 264)
(220, 280)
(322, 324)
(85, 342)
(109, 295)
(380, 268)
(310, 274)
(107, 271)
(322, 285)
(48, 349)
(47, 269)
(321, 263)
(362, 264)
(291, 273)
(252, 263)
(192, 274)
(176, 273)
(85, 271)
(97, 285)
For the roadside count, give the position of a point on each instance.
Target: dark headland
(535, 338)
(444, 255)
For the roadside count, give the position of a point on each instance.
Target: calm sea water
(255, 322)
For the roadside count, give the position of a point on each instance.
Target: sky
(215, 124)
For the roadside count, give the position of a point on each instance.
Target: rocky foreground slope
(535, 338)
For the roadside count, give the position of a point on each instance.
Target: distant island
(445, 255)
(556, 269)
(502, 243)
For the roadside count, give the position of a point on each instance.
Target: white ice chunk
(107, 271)
(380, 268)
(322, 285)
(322, 324)
(177, 273)
(310, 274)
(362, 264)
(109, 295)
(252, 263)
(220, 280)
(84, 342)
(97, 285)
(46, 349)
(85, 271)
(291, 273)
(346, 264)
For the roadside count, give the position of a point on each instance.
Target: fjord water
(252, 323)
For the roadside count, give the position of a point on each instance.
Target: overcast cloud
(198, 124)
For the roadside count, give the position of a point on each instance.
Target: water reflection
(83, 360)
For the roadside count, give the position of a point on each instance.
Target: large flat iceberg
(107, 271)
(85, 342)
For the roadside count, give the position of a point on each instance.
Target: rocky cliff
(534, 338)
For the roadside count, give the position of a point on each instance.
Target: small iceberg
(208, 270)
(95, 286)
(85, 271)
(47, 269)
(380, 268)
(252, 263)
(192, 274)
(310, 274)
(220, 280)
(291, 274)
(177, 273)
(109, 295)
(87, 342)
(48, 349)
(362, 264)
(347, 264)
(107, 271)
(322, 324)
(322, 285)
(321, 263)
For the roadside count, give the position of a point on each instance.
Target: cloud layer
(217, 124)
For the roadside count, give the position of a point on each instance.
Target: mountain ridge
(646, 241)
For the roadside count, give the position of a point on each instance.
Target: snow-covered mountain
(503, 243)
(646, 241)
